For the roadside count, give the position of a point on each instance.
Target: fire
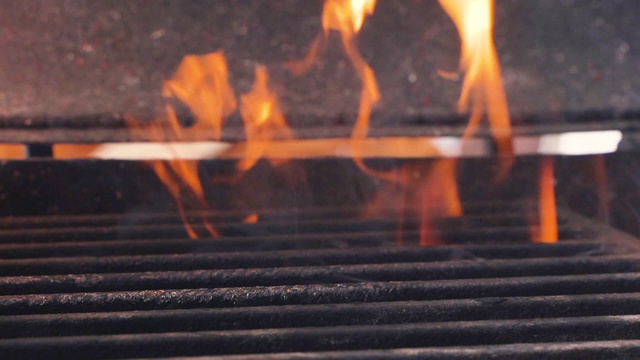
(482, 89)
(548, 231)
(347, 17)
(439, 197)
(251, 219)
(263, 120)
(438, 187)
(426, 190)
(201, 83)
(179, 175)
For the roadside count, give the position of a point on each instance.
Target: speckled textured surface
(80, 57)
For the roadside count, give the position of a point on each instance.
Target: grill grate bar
(488, 332)
(319, 315)
(317, 275)
(288, 258)
(465, 228)
(319, 294)
(475, 210)
(611, 350)
(94, 287)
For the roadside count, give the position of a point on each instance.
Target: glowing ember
(548, 232)
(12, 152)
(251, 219)
(263, 120)
(482, 90)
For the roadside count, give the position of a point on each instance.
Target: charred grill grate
(318, 284)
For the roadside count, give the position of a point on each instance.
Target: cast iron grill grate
(315, 284)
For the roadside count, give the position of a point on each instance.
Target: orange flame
(251, 219)
(548, 231)
(482, 89)
(347, 17)
(440, 197)
(201, 83)
(263, 120)
(436, 195)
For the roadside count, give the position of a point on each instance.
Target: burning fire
(548, 229)
(201, 83)
(347, 17)
(482, 89)
(439, 197)
(263, 120)
(428, 190)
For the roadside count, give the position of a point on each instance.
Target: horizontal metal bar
(620, 349)
(378, 313)
(264, 243)
(74, 220)
(101, 128)
(280, 227)
(248, 277)
(334, 338)
(319, 294)
(249, 234)
(570, 143)
(284, 258)
(16, 226)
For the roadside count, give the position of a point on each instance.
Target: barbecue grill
(330, 287)
(317, 257)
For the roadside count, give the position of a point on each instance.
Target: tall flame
(482, 89)
(439, 197)
(201, 83)
(347, 17)
(179, 175)
(548, 231)
(263, 119)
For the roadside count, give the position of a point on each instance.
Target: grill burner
(326, 285)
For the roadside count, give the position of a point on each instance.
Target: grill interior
(318, 283)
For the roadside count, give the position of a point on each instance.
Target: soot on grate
(315, 284)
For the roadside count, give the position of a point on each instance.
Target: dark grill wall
(75, 187)
(81, 57)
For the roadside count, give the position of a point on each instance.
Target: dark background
(63, 58)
